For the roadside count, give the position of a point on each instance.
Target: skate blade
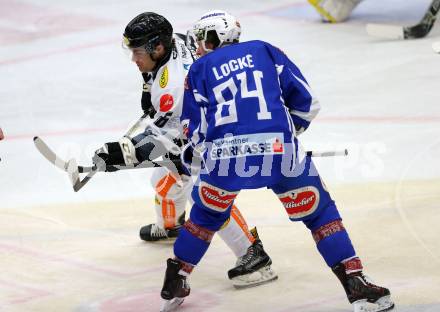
(260, 277)
(381, 305)
(171, 305)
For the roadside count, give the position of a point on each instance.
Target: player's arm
(146, 104)
(193, 113)
(161, 135)
(297, 94)
(164, 128)
(151, 144)
(194, 124)
(157, 139)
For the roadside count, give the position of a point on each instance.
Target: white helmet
(218, 27)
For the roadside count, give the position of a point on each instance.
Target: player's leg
(169, 203)
(306, 199)
(334, 11)
(235, 233)
(211, 209)
(253, 266)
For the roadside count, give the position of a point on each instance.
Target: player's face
(200, 49)
(142, 59)
(203, 49)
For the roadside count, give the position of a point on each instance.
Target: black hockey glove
(115, 154)
(191, 159)
(299, 129)
(147, 105)
(178, 163)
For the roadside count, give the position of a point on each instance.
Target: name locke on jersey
(233, 65)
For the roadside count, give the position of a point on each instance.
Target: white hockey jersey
(165, 89)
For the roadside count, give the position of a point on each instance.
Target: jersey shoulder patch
(166, 102)
(163, 80)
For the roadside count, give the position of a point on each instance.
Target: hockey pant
(304, 197)
(170, 201)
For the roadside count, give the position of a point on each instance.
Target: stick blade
(385, 31)
(72, 171)
(47, 153)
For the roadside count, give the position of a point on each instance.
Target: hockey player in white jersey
(334, 11)
(244, 106)
(164, 59)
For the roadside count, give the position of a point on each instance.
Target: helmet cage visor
(200, 34)
(147, 43)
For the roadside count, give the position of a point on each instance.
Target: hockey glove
(299, 129)
(115, 154)
(192, 161)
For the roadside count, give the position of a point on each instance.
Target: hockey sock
(192, 243)
(333, 243)
(197, 232)
(352, 265)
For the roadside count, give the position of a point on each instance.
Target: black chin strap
(163, 60)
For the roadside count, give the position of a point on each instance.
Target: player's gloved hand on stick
(115, 154)
(191, 159)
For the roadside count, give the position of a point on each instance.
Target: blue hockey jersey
(241, 107)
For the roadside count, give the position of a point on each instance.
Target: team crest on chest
(163, 81)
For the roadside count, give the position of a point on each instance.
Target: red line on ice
(72, 262)
(330, 119)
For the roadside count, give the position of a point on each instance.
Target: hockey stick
(171, 165)
(70, 167)
(77, 183)
(74, 170)
(419, 30)
(53, 158)
(327, 154)
(56, 160)
(47, 152)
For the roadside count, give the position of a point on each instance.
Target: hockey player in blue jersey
(244, 106)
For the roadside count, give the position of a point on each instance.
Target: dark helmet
(148, 29)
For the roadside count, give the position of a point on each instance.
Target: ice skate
(171, 305)
(175, 287)
(362, 293)
(153, 232)
(253, 268)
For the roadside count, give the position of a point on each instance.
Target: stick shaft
(94, 169)
(327, 153)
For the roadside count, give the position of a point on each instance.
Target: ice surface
(64, 77)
